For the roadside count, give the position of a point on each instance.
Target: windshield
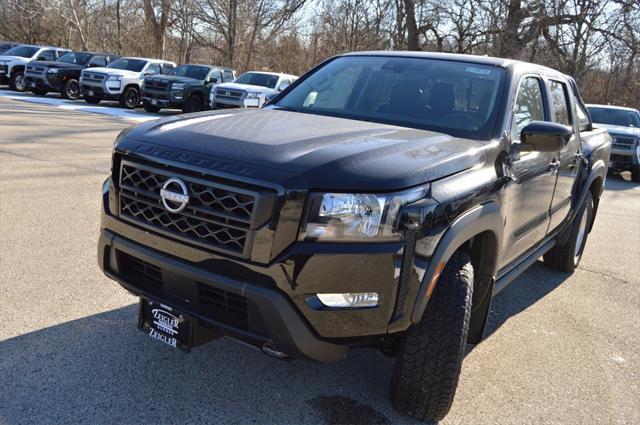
(134, 65)
(450, 97)
(615, 117)
(258, 79)
(191, 71)
(22, 51)
(75, 58)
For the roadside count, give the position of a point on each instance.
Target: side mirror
(213, 80)
(93, 65)
(546, 136)
(41, 58)
(283, 86)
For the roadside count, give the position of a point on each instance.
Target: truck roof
(622, 108)
(481, 60)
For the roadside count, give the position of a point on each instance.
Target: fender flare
(483, 218)
(16, 68)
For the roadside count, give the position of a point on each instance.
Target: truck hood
(620, 130)
(14, 59)
(55, 64)
(245, 87)
(113, 71)
(173, 79)
(305, 151)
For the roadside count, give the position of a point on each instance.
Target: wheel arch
(477, 232)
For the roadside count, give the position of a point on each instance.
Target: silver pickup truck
(624, 126)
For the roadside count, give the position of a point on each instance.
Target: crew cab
(63, 74)
(186, 87)
(250, 90)
(14, 61)
(623, 124)
(381, 200)
(121, 80)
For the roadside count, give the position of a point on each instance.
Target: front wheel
(566, 257)
(17, 82)
(130, 98)
(430, 354)
(71, 89)
(193, 104)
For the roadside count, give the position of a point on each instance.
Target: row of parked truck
(132, 81)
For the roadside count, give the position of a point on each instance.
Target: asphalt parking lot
(562, 348)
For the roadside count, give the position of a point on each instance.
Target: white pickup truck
(121, 80)
(14, 61)
(250, 90)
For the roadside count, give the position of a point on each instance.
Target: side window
(560, 102)
(153, 68)
(227, 76)
(166, 68)
(529, 105)
(98, 61)
(48, 55)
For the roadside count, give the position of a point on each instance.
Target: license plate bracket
(90, 92)
(166, 324)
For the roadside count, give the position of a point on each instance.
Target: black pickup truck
(186, 87)
(381, 200)
(63, 75)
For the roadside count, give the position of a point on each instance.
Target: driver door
(529, 193)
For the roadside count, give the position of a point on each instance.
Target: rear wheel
(91, 100)
(71, 89)
(193, 104)
(17, 82)
(151, 108)
(566, 257)
(635, 173)
(39, 92)
(130, 98)
(430, 354)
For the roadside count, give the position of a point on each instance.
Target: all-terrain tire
(566, 257)
(430, 354)
(71, 89)
(193, 104)
(151, 108)
(17, 82)
(635, 173)
(130, 98)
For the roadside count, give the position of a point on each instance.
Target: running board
(512, 274)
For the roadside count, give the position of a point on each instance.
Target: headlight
(252, 95)
(355, 217)
(177, 86)
(113, 78)
(52, 70)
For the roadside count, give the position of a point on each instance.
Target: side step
(512, 274)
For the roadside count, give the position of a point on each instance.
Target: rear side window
(98, 61)
(529, 105)
(227, 76)
(153, 68)
(560, 102)
(167, 68)
(48, 55)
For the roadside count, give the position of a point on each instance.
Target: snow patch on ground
(82, 106)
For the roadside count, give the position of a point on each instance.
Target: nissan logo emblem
(174, 195)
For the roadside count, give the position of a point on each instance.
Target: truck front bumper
(43, 81)
(624, 158)
(163, 99)
(105, 90)
(276, 298)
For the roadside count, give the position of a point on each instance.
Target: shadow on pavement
(102, 369)
(620, 181)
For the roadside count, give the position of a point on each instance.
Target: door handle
(576, 160)
(554, 167)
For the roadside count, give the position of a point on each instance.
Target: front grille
(228, 94)
(35, 69)
(156, 84)
(93, 77)
(222, 305)
(140, 272)
(623, 142)
(217, 216)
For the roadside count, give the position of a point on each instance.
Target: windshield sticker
(478, 71)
